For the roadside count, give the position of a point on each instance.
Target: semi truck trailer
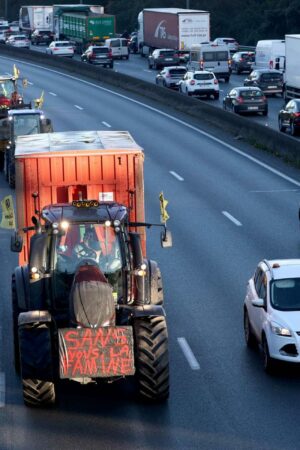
(292, 67)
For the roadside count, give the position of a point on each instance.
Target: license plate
(253, 107)
(169, 59)
(272, 87)
(96, 352)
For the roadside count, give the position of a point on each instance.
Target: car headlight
(280, 330)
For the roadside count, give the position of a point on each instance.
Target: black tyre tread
(37, 393)
(160, 289)
(251, 341)
(152, 358)
(270, 366)
(11, 179)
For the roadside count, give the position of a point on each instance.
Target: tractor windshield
(25, 124)
(82, 242)
(7, 87)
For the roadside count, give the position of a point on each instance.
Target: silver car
(171, 76)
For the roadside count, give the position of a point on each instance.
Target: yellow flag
(8, 213)
(16, 72)
(164, 216)
(38, 102)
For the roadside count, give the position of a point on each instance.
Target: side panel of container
(292, 66)
(161, 30)
(100, 28)
(193, 29)
(73, 26)
(60, 179)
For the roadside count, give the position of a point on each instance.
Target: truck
(87, 303)
(173, 28)
(18, 122)
(270, 54)
(82, 24)
(35, 18)
(292, 67)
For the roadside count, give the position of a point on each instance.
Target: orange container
(93, 165)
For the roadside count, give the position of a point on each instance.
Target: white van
(119, 47)
(270, 54)
(212, 57)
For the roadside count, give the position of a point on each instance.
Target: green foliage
(246, 21)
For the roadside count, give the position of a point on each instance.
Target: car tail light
(168, 75)
(175, 55)
(241, 59)
(110, 53)
(240, 99)
(296, 114)
(192, 82)
(271, 64)
(161, 56)
(55, 48)
(93, 56)
(264, 98)
(216, 81)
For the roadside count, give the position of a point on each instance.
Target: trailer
(173, 28)
(35, 18)
(292, 67)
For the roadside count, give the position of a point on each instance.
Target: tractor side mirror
(166, 239)
(16, 243)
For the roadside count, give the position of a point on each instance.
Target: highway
(230, 206)
(137, 67)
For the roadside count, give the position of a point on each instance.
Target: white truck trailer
(35, 18)
(174, 28)
(292, 67)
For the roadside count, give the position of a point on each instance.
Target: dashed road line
(53, 93)
(78, 107)
(106, 124)
(2, 389)
(275, 190)
(187, 351)
(30, 83)
(233, 219)
(178, 177)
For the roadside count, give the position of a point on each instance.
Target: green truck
(83, 27)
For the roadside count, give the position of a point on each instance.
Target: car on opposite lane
(171, 76)
(200, 83)
(242, 61)
(61, 48)
(272, 311)
(270, 81)
(289, 117)
(245, 99)
(95, 54)
(163, 57)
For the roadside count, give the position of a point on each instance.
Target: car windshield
(167, 53)
(177, 72)
(99, 50)
(250, 94)
(247, 57)
(6, 88)
(63, 44)
(203, 76)
(271, 77)
(285, 294)
(215, 56)
(25, 124)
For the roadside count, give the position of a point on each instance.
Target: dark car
(170, 76)
(98, 55)
(242, 61)
(270, 81)
(289, 117)
(41, 37)
(163, 57)
(246, 100)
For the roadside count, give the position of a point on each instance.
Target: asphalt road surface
(229, 206)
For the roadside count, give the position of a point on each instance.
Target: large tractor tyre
(152, 358)
(1, 161)
(11, 178)
(36, 365)
(159, 297)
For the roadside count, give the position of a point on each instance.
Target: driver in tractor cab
(89, 247)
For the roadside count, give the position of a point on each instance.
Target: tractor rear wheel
(36, 365)
(152, 358)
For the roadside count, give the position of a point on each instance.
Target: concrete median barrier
(259, 135)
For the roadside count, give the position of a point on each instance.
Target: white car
(231, 43)
(272, 311)
(200, 82)
(61, 48)
(18, 40)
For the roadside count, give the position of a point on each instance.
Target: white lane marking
(148, 71)
(188, 353)
(78, 107)
(176, 175)
(233, 219)
(175, 119)
(2, 389)
(30, 83)
(53, 93)
(106, 124)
